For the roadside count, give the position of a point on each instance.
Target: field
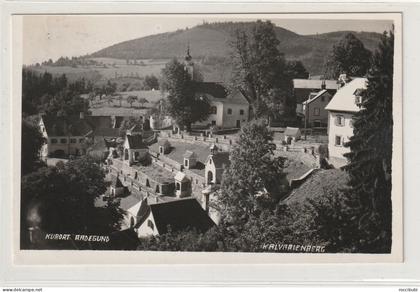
(103, 107)
(111, 68)
(117, 70)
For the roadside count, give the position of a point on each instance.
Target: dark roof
(76, 126)
(180, 214)
(221, 159)
(315, 95)
(214, 89)
(143, 212)
(315, 84)
(291, 131)
(107, 132)
(135, 142)
(99, 121)
(66, 126)
(189, 154)
(116, 182)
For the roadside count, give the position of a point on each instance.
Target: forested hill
(212, 40)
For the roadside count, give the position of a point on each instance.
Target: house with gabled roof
(291, 135)
(215, 164)
(314, 109)
(134, 148)
(67, 135)
(228, 108)
(341, 109)
(176, 215)
(304, 89)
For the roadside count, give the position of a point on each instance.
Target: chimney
(342, 79)
(82, 115)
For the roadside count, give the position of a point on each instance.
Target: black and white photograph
(210, 133)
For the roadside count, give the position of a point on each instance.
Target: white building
(228, 109)
(341, 109)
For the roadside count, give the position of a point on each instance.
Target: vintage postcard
(232, 137)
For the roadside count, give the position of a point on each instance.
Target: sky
(53, 36)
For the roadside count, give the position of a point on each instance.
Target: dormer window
(358, 100)
(150, 224)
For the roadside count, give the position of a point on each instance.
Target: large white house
(228, 109)
(341, 109)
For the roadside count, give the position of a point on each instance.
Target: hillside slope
(212, 40)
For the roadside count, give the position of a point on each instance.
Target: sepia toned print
(203, 133)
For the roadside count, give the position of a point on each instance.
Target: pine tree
(348, 56)
(369, 165)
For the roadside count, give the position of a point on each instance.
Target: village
(162, 175)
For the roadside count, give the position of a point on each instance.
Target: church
(228, 108)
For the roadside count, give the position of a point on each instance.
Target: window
(186, 162)
(62, 140)
(150, 224)
(81, 140)
(213, 123)
(72, 140)
(53, 141)
(358, 100)
(213, 110)
(322, 98)
(351, 123)
(178, 186)
(338, 140)
(241, 112)
(229, 111)
(316, 111)
(339, 121)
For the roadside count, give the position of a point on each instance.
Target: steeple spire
(188, 56)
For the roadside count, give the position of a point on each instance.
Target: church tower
(188, 63)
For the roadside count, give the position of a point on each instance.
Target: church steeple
(188, 56)
(189, 64)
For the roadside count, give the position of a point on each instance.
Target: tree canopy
(260, 70)
(61, 199)
(183, 104)
(53, 95)
(254, 177)
(349, 56)
(370, 154)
